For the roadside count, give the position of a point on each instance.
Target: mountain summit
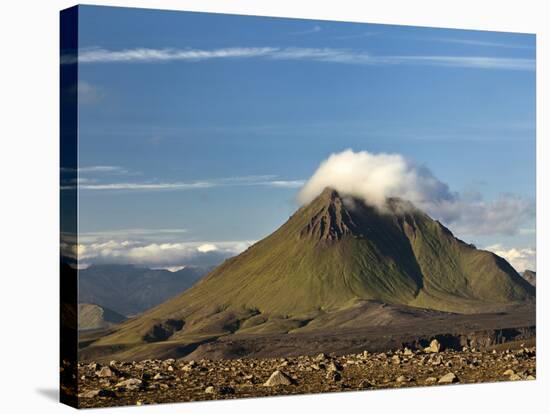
(333, 262)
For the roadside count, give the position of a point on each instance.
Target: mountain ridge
(332, 256)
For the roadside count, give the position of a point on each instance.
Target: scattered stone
(334, 376)
(365, 384)
(278, 378)
(438, 360)
(333, 367)
(433, 348)
(226, 390)
(449, 378)
(89, 394)
(208, 379)
(104, 372)
(407, 351)
(130, 384)
(106, 393)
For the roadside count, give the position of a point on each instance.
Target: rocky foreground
(162, 381)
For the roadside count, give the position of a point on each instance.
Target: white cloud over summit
(375, 177)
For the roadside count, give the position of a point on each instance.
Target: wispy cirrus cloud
(100, 55)
(355, 36)
(259, 180)
(109, 169)
(314, 29)
(483, 43)
(142, 186)
(328, 55)
(479, 62)
(139, 234)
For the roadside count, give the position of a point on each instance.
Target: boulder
(449, 378)
(433, 348)
(89, 394)
(278, 378)
(130, 384)
(401, 378)
(333, 367)
(104, 372)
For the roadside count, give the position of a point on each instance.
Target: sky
(197, 131)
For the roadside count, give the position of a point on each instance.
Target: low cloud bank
(166, 255)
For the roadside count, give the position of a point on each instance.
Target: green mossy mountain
(336, 259)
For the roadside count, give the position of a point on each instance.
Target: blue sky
(199, 129)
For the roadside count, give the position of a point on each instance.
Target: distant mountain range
(130, 290)
(330, 266)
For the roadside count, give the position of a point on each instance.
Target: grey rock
(433, 348)
(104, 372)
(449, 378)
(130, 384)
(278, 378)
(89, 394)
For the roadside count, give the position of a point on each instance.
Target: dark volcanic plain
(163, 381)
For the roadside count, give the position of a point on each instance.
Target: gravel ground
(163, 381)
